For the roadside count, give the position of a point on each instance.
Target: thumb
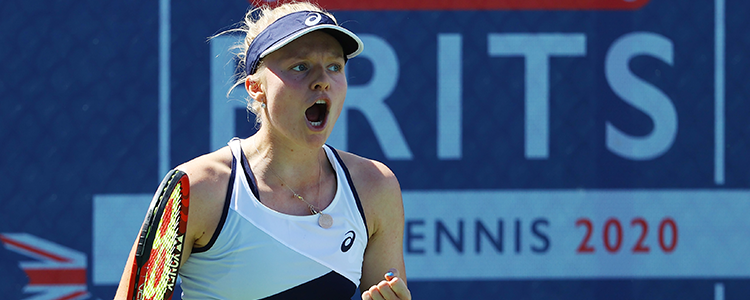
(392, 273)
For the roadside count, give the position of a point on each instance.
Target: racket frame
(150, 226)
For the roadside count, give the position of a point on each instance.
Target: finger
(384, 287)
(375, 293)
(366, 295)
(398, 286)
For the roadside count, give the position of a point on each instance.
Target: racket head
(160, 244)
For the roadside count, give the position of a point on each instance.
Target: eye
(299, 67)
(335, 68)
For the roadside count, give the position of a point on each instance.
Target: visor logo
(313, 19)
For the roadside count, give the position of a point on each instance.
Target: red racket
(159, 253)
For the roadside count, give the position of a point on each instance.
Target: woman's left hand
(392, 288)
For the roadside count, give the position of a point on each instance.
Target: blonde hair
(256, 20)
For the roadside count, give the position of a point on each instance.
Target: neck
(297, 166)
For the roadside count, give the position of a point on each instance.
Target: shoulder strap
(353, 189)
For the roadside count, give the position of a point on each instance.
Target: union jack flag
(56, 273)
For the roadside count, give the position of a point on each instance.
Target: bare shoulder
(378, 189)
(209, 177)
(206, 171)
(371, 177)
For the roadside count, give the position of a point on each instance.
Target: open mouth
(317, 113)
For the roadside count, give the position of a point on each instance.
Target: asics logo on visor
(313, 19)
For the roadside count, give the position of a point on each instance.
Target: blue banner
(592, 152)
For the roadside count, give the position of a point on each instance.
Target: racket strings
(161, 262)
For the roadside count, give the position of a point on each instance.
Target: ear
(254, 89)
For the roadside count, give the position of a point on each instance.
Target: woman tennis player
(280, 214)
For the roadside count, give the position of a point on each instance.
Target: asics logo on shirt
(348, 241)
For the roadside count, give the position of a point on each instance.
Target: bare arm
(383, 271)
(208, 179)
(124, 287)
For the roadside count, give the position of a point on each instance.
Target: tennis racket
(159, 251)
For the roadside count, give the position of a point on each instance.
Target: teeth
(318, 123)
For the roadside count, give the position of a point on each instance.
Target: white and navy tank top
(259, 253)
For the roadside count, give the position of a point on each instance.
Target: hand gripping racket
(159, 252)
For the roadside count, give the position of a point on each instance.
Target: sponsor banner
(542, 146)
(527, 234)
(581, 234)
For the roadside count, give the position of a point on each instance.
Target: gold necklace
(324, 220)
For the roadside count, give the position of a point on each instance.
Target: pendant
(325, 220)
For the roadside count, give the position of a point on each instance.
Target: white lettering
(641, 95)
(370, 98)
(449, 91)
(536, 50)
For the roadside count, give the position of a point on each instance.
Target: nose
(322, 81)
